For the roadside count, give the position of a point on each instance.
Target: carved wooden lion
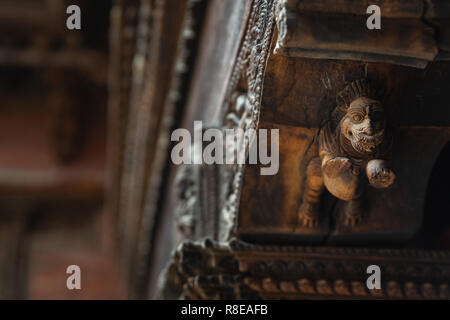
(354, 151)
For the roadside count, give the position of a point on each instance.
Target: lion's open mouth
(366, 143)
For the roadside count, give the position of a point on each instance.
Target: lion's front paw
(379, 175)
(336, 166)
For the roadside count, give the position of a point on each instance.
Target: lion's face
(364, 124)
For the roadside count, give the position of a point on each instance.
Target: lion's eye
(357, 118)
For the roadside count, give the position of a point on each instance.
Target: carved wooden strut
(354, 147)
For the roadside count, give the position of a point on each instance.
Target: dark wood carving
(343, 164)
(299, 95)
(238, 270)
(188, 209)
(249, 69)
(354, 148)
(154, 49)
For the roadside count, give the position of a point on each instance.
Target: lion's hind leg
(308, 213)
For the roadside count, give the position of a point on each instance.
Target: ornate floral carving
(187, 211)
(237, 270)
(250, 65)
(281, 16)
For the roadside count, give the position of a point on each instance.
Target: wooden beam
(389, 8)
(326, 31)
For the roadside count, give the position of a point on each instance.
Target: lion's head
(361, 115)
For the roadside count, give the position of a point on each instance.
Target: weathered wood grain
(347, 37)
(389, 8)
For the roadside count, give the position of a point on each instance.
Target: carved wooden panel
(210, 270)
(363, 118)
(302, 99)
